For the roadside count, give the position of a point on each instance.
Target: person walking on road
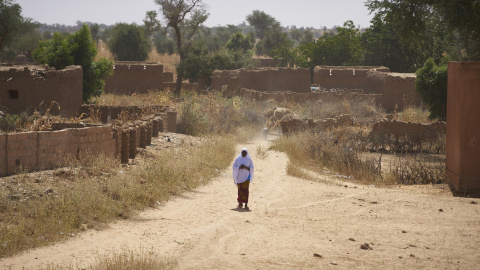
(242, 176)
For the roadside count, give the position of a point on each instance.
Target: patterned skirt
(243, 192)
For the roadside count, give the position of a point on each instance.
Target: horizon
(317, 14)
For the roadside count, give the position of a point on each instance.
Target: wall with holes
(34, 88)
(348, 77)
(136, 77)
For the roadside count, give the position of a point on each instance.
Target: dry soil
(292, 224)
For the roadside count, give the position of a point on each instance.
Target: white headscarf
(240, 176)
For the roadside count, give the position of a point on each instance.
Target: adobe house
(34, 88)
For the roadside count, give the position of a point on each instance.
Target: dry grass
(39, 210)
(103, 51)
(413, 114)
(168, 61)
(343, 152)
(151, 98)
(125, 259)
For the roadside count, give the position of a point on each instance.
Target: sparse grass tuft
(126, 259)
(413, 114)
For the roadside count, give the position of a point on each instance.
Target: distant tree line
(404, 35)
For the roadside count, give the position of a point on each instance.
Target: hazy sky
(308, 13)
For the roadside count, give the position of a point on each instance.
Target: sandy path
(290, 221)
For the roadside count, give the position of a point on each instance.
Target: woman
(242, 176)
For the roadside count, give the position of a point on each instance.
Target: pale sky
(307, 13)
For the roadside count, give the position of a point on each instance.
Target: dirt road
(293, 224)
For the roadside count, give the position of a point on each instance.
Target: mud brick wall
(338, 77)
(295, 125)
(33, 88)
(136, 77)
(397, 89)
(262, 79)
(185, 86)
(48, 149)
(463, 125)
(416, 131)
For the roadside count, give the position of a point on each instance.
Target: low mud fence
(42, 150)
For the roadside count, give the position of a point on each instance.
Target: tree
(11, 21)
(175, 13)
(128, 42)
(262, 22)
(416, 22)
(431, 86)
(151, 24)
(76, 49)
(94, 29)
(239, 42)
(384, 48)
(342, 49)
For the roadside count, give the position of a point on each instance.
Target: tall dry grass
(151, 98)
(343, 151)
(38, 211)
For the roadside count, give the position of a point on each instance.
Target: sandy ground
(292, 224)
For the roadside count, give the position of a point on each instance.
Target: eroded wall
(136, 77)
(463, 125)
(397, 89)
(262, 79)
(30, 88)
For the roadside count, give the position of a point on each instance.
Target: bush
(431, 86)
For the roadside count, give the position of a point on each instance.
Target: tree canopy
(77, 49)
(128, 42)
(262, 22)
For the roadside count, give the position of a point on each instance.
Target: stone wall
(136, 77)
(30, 88)
(397, 89)
(414, 131)
(463, 125)
(344, 77)
(262, 79)
(41, 150)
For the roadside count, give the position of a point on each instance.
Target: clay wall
(136, 77)
(397, 89)
(262, 79)
(343, 77)
(463, 125)
(48, 149)
(414, 131)
(33, 88)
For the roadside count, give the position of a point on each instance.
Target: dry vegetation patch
(38, 209)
